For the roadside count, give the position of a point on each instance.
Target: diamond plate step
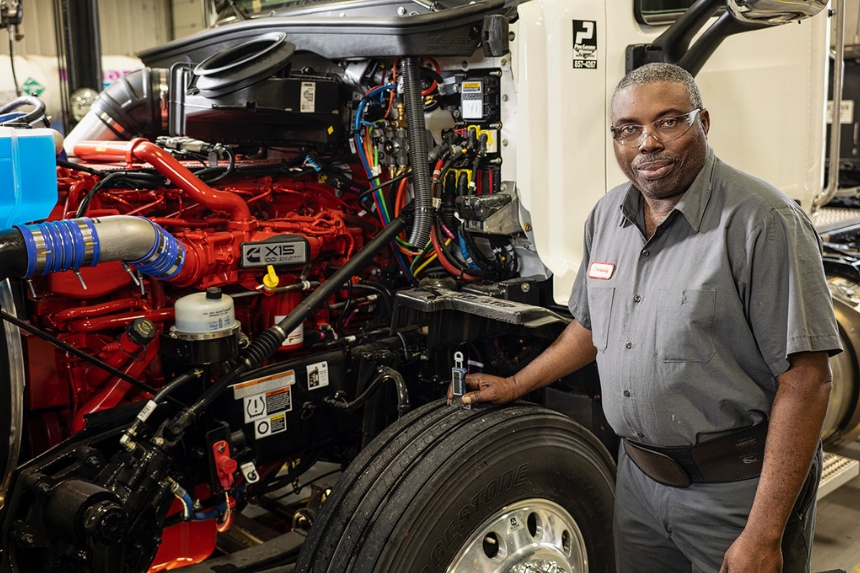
(837, 472)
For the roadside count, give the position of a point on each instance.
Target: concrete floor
(837, 528)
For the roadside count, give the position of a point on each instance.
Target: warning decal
(270, 426)
(585, 44)
(317, 375)
(265, 402)
(308, 98)
(262, 385)
(472, 98)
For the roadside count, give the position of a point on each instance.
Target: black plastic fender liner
(407, 502)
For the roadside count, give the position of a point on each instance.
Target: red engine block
(93, 309)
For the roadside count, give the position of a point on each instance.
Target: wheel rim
(530, 536)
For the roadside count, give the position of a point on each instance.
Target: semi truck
(274, 249)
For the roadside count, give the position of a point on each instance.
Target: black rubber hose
(385, 373)
(418, 152)
(13, 254)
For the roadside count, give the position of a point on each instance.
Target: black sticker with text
(585, 44)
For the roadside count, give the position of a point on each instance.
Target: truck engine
(278, 244)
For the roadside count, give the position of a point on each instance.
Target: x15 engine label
(278, 253)
(585, 44)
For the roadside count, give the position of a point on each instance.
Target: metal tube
(826, 194)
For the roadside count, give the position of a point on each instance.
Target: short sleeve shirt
(693, 325)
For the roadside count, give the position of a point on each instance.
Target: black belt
(734, 457)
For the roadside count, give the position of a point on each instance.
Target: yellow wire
(429, 260)
(424, 264)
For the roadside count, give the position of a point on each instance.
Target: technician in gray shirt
(703, 299)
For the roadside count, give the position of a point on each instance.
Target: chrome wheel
(530, 536)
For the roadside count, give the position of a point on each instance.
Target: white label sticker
(846, 112)
(249, 470)
(308, 97)
(270, 426)
(472, 98)
(317, 375)
(297, 336)
(254, 407)
(263, 385)
(265, 405)
(148, 409)
(514, 524)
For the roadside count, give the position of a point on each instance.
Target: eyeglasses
(664, 130)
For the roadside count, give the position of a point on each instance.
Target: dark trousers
(660, 529)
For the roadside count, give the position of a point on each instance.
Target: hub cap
(530, 536)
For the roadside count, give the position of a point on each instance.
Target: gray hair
(661, 72)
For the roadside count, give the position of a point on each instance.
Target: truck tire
(452, 490)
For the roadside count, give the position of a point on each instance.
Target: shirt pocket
(600, 309)
(685, 325)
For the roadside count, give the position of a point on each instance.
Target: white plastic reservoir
(209, 312)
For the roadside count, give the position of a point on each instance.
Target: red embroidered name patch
(602, 271)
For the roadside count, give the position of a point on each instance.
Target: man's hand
(489, 388)
(793, 434)
(748, 555)
(572, 350)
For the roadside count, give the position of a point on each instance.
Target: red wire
(440, 255)
(434, 85)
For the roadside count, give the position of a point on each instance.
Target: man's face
(660, 170)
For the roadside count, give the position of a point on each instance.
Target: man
(702, 297)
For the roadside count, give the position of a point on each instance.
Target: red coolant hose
(167, 165)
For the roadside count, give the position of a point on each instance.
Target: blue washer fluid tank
(28, 175)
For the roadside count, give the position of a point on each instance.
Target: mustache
(662, 157)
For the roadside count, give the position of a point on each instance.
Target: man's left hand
(749, 555)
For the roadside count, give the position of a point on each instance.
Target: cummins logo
(278, 251)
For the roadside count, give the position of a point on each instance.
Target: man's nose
(649, 142)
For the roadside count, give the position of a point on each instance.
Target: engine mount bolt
(27, 539)
(93, 462)
(401, 11)
(527, 227)
(525, 287)
(44, 488)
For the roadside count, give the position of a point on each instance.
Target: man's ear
(705, 117)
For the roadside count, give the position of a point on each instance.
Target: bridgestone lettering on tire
(443, 480)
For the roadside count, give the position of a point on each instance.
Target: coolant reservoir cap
(141, 331)
(209, 312)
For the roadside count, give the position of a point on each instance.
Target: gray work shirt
(693, 325)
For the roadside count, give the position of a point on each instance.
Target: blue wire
(365, 163)
(465, 252)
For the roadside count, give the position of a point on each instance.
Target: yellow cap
(270, 280)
